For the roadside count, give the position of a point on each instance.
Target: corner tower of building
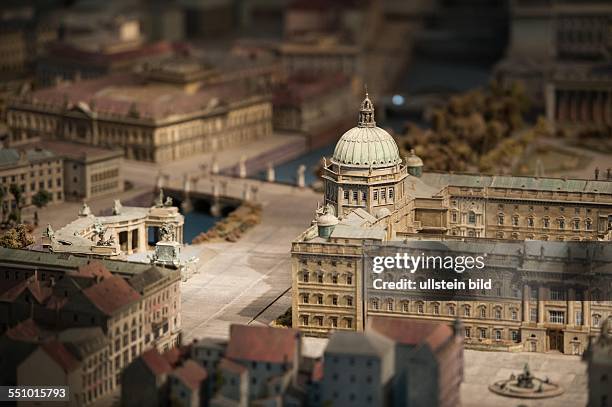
(366, 170)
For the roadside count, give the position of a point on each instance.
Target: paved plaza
(236, 282)
(484, 368)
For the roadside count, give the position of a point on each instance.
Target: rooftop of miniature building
(366, 145)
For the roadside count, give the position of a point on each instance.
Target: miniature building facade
(151, 119)
(374, 197)
(32, 170)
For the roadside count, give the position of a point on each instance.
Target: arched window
(375, 303)
(515, 220)
(467, 311)
(482, 311)
(390, 304)
(405, 306)
(500, 219)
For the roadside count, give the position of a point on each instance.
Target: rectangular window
(533, 315)
(578, 317)
(391, 192)
(468, 332)
(483, 333)
(346, 195)
(383, 194)
(355, 196)
(515, 336)
(557, 294)
(376, 195)
(556, 317)
(364, 196)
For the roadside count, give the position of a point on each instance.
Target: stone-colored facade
(136, 305)
(89, 172)
(75, 359)
(151, 119)
(379, 198)
(32, 170)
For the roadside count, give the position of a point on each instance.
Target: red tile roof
(56, 302)
(174, 355)
(111, 294)
(300, 88)
(191, 374)
(157, 49)
(26, 330)
(411, 332)
(94, 268)
(230, 366)
(262, 344)
(156, 362)
(37, 289)
(111, 95)
(58, 352)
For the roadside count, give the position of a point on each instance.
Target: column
(129, 241)
(526, 303)
(571, 296)
(541, 294)
(586, 308)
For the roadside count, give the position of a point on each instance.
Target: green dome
(366, 145)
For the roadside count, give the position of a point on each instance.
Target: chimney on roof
(596, 173)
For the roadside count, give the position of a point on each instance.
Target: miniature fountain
(526, 386)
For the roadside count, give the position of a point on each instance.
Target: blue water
(196, 223)
(287, 172)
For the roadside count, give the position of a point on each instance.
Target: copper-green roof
(365, 147)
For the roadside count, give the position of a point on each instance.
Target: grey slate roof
(71, 262)
(517, 182)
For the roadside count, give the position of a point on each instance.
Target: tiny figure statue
(49, 232)
(168, 201)
(166, 232)
(117, 207)
(85, 210)
(159, 201)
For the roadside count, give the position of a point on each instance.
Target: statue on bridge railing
(159, 201)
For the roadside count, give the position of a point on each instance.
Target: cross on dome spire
(366, 112)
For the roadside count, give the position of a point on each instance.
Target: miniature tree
(17, 193)
(42, 198)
